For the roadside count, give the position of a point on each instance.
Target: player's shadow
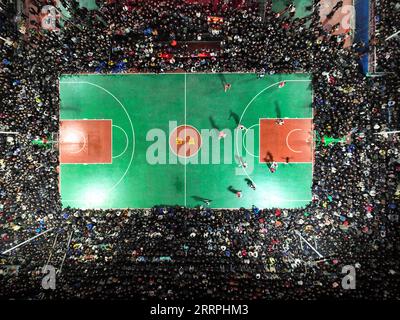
(278, 110)
(233, 190)
(287, 159)
(269, 157)
(213, 123)
(200, 199)
(248, 182)
(223, 80)
(73, 109)
(308, 8)
(235, 117)
(238, 159)
(178, 184)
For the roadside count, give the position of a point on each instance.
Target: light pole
(387, 132)
(392, 36)
(25, 242)
(303, 239)
(7, 41)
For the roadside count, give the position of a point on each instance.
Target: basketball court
(140, 140)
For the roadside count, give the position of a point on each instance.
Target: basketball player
(251, 184)
(273, 167)
(242, 164)
(221, 135)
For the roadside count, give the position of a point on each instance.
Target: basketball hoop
(348, 139)
(317, 138)
(55, 141)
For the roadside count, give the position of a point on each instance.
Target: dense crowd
(176, 252)
(387, 24)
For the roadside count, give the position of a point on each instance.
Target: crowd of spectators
(386, 19)
(188, 253)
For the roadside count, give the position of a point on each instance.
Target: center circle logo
(185, 141)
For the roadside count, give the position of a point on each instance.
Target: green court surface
(145, 108)
(301, 7)
(89, 4)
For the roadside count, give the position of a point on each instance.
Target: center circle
(185, 141)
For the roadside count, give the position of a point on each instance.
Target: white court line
(59, 181)
(84, 119)
(133, 134)
(287, 141)
(284, 118)
(85, 164)
(84, 142)
(313, 150)
(244, 136)
(244, 111)
(184, 132)
(313, 145)
(193, 206)
(296, 200)
(111, 133)
(216, 208)
(290, 162)
(129, 119)
(248, 105)
(160, 74)
(185, 144)
(127, 141)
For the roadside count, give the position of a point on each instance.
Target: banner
(215, 19)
